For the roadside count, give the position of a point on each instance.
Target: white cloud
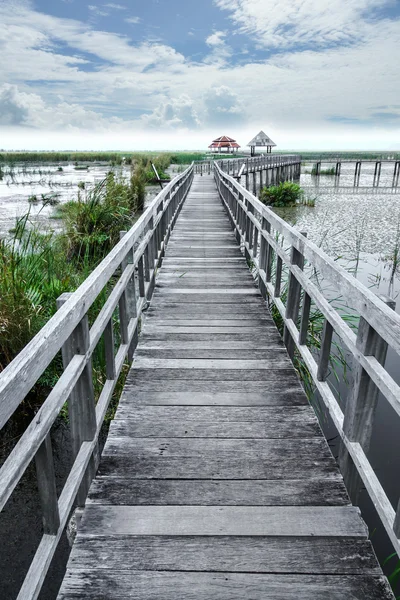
(115, 6)
(290, 23)
(216, 39)
(133, 20)
(290, 91)
(28, 109)
(173, 113)
(220, 51)
(97, 11)
(223, 106)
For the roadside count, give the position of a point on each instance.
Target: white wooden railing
(132, 265)
(257, 229)
(234, 166)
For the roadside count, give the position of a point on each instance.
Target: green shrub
(284, 194)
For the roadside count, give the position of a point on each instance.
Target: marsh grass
(36, 268)
(92, 222)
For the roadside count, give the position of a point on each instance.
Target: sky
(175, 74)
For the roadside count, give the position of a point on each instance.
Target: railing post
(129, 303)
(46, 480)
(293, 298)
(81, 406)
(361, 403)
(305, 317)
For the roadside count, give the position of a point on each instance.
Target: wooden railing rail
(134, 261)
(270, 243)
(232, 166)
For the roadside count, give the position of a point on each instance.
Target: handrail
(142, 249)
(256, 228)
(232, 165)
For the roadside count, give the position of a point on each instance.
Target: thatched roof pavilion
(224, 144)
(261, 140)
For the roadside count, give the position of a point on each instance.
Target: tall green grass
(36, 268)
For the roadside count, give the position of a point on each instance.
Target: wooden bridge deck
(216, 481)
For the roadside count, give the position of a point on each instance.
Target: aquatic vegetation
(329, 171)
(284, 194)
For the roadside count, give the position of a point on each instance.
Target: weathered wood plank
(249, 297)
(277, 355)
(214, 422)
(283, 521)
(280, 395)
(178, 458)
(193, 322)
(209, 363)
(298, 492)
(152, 585)
(207, 374)
(206, 341)
(255, 554)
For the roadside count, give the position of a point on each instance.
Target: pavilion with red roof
(224, 144)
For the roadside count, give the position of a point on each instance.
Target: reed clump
(92, 222)
(284, 194)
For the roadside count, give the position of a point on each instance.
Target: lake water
(45, 181)
(358, 227)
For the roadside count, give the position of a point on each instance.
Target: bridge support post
(254, 182)
(361, 405)
(130, 300)
(81, 406)
(265, 258)
(357, 174)
(46, 480)
(396, 174)
(293, 298)
(377, 173)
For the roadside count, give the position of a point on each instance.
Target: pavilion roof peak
(261, 139)
(224, 138)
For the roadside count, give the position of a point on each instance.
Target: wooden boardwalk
(216, 481)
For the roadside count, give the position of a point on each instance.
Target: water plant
(284, 194)
(329, 171)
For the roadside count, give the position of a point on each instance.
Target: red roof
(224, 142)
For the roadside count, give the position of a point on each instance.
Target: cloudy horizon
(174, 75)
